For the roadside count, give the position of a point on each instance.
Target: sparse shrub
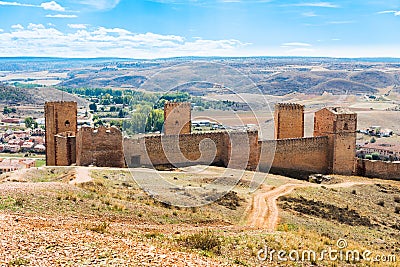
(19, 202)
(397, 210)
(381, 203)
(397, 199)
(240, 262)
(119, 207)
(19, 262)
(354, 192)
(287, 227)
(99, 228)
(205, 240)
(153, 234)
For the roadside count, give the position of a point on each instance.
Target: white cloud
(17, 27)
(295, 44)
(77, 26)
(5, 3)
(396, 13)
(41, 40)
(54, 6)
(62, 16)
(100, 4)
(316, 4)
(309, 14)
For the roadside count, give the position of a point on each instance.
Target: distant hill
(11, 95)
(340, 86)
(269, 75)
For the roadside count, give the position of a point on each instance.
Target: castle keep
(177, 118)
(61, 117)
(289, 121)
(331, 150)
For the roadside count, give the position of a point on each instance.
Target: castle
(331, 150)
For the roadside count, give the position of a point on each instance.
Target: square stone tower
(289, 121)
(340, 125)
(177, 118)
(60, 117)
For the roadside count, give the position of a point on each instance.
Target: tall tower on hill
(177, 118)
(60, 117)
(340, 125)
(289, 121)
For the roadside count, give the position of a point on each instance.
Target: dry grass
(112, 207)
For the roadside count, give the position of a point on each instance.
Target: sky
(173, 28)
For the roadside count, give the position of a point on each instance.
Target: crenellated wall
(297, 157)
(99, 147)
(378, 169)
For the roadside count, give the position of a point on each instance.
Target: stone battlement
(291, 106)
(100, 129)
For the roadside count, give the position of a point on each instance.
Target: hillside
(50, 218)
(12, 95)
(271, 76)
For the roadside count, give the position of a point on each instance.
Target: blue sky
(167, 28)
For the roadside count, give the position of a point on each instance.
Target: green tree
(93, 107)
(29, 122)
(373, 140)
(155, 120)
(8, 110)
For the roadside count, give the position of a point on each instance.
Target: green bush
(205, 240)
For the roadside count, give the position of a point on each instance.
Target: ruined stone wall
(177, 118)
(65, 144)
(99, 147)
(289, 120)
(60, 117)
(378, 169)
(296, 158)
(234, 150)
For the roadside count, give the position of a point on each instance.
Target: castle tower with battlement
(289, 121)
(177, 118)
(60, 117)
(340, 125)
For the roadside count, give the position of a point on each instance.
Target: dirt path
(265, 213)
(82, 175)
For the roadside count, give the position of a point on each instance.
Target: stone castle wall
(378, 169)
(99, 147)
(289, 121)
(60, 117)
(177, 118)
(295, 157)
(234, 150)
